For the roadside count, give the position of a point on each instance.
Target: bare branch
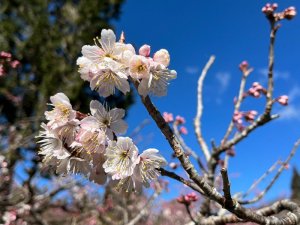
(228, 201)
(197, 120)
(238, 103)
(187, 149)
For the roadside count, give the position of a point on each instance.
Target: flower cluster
(109, 64)
(72, 142)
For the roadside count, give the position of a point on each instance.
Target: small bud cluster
(6, 62)
(239, 117)
(269, 10)
(256, 90)
(188, 198)
(73, 142)
(179, 120)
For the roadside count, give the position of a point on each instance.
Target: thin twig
(281, 168)
(228, 201)
(187, 148)
(238, 102)
(273, 167)
(180, 179)
(187, 207)
(197, 120)
(145, 209)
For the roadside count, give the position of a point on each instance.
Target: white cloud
(294, 93)
(223, 79)
(192, 70)
(278, 75)
(290, 112)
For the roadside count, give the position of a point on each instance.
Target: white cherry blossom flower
(93, 141)
(87, 68)
(121, 158)
(139, 67)
(111, 76)
(106, 47)
(51, 145)
(62, 111)
(110, 121)
(78, 162)
(158, 82)
(144, 172)
(149, 162)
(67, 132)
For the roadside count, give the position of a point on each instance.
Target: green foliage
(47, 36)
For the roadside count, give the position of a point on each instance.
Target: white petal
(108, 39)
(89, 123)
(119, 127)
(97, 106)
(143, 87)
(92, 52)
(116, 113)
(60, 98)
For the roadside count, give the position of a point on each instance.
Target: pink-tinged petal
(162, 56)
(123, 86)
(92, 52)
(116, 114)
(97, 108)
(89, 123)
(148, 152)
(60, 98)
(119, 127)
(143, 88)
(109, 134)
(145, 50)
(108, 40)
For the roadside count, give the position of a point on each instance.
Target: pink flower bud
(230, 152)
(274, 6)
(144, 50)
(168, 117)
(283, 100)
(173, 165)
(244, 66)
(183, 130)
(268, 9)
(180, 120)
(250, 115)
(180, 199)
(14, 64)
(5, 55)
(237, 116)
(290, 13)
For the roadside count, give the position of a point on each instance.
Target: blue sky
(233, 31)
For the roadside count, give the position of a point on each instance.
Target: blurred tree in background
(43, 39)
(45, 36)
